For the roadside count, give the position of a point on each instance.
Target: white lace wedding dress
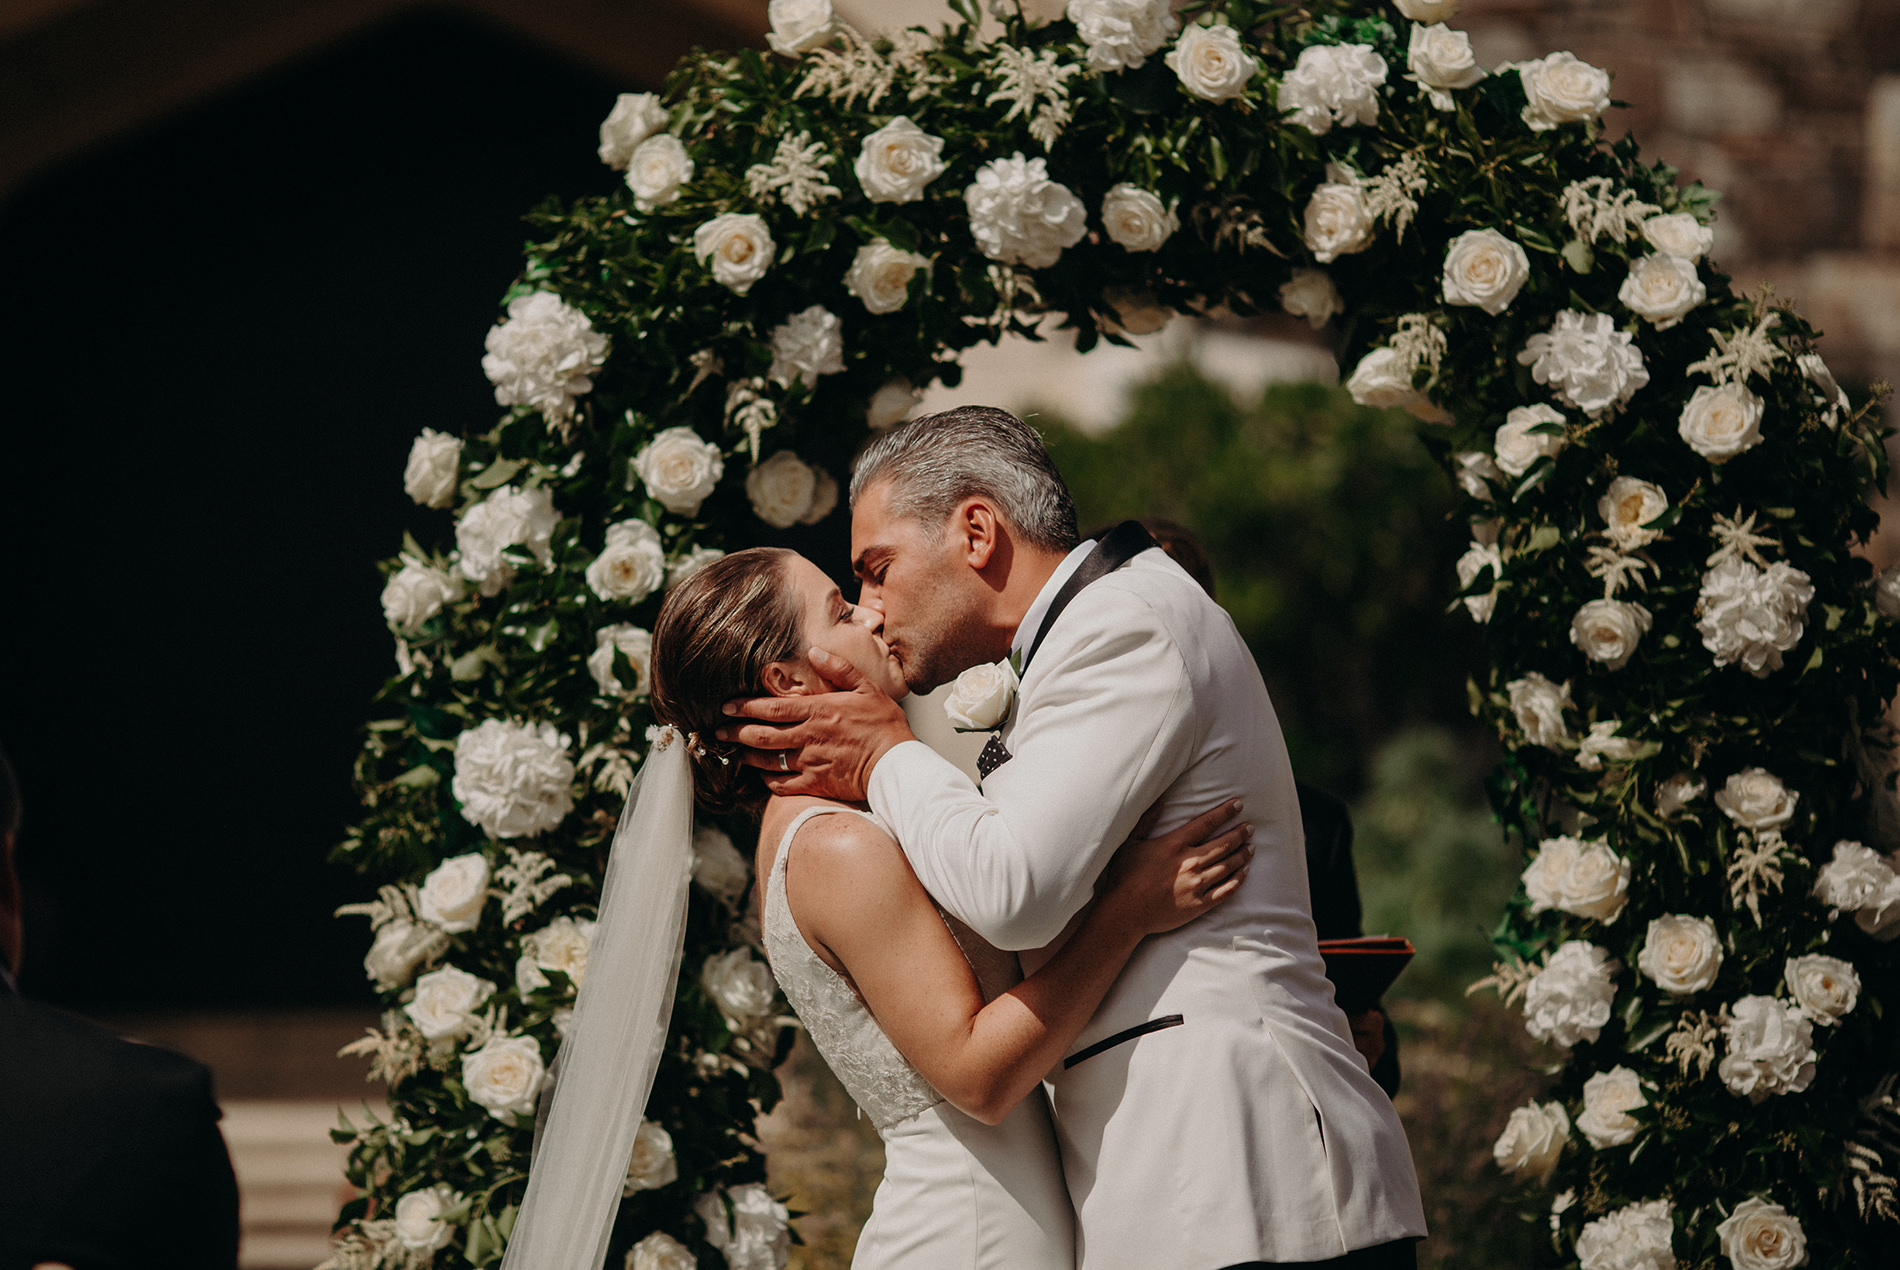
(957, 1194)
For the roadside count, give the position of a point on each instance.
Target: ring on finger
(784, 763)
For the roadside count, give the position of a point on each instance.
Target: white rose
(632, 564)
(1019, 216)
(1662, 288)
(1751, 616)
(737, 246)
(504, 1076)
(1310, 294)
(1337, 221)
(981, 697)
(1532, 1140)
(1762, 1236)
(1486, 269)
(1428, 10)
(1601, 742)
(415, 593)
(806, 345)
(1608, 631)
(1627, 507)
(1569, 999)
(1861, 881)
(434, 462)
(1333, 83)
(782, 489)
(660, 1251)
(1478, 558)
(543, 355)
(506, 518)
(756, 1235)
(513, 779)
(717, 865)
(1719, 423)
(1770, 1049)
(1586, 361)
(896, 162)
(1440, 60)
(419, 1224)
(1636, 1237)
(652, 1164)
(1756, 799)
(1210, 62)
(635, 644)
(1587, 879)
(1679, 234)
(880, 276)
(1559, 89)
(1608, 1098)
(1474, 471)
(740, 985)
(399, 947)
(560, 945)
(1681, 953)
(799, 26)
(892, 403)
(634, 118)
(1526, 436)
(1828, 390)
(1538, 706)
(659, 167)
(453, 894)
(1120, 34)
(445, 1002)
(1383, 380)
(1136, 218)
(682, 567)
(1824, 987)
(1676, 793)
(679, 469)
(1887, 594)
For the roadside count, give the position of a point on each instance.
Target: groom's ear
(979, 532)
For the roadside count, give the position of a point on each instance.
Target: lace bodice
(877, 1077)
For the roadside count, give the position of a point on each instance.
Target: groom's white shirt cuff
(1032, 620)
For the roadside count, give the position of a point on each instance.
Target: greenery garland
(1662, 479)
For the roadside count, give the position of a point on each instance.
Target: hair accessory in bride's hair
(663, 735)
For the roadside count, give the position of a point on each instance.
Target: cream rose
(1608, 631)
(1674, 795)
(896, 162)
(1538, 705)
(679, 469)
(631, 564)
(504, 1076)
(1887, 594)
(782, 489)
(1383, 380)
(1679, 234)
(718, 867)
(799, 26)
(738, 248)
(754, 1235)
(1136, 218)
(1586, 361)
(1824, 987)
(446, 1001)
(893, 403)
(1333, 84)
(1861, 881)
(634, 118)
(399, 947)
(453, 894)
(561, 945)
(660, 1251)
(1628, 507)
(415, 593)
(629, 641)
(1661, 289)
(981, 697)
(659, 167)
(652, 1164)
(1762, 1236)
(1310, 294)
(435, 460)
(1210, 62)
(1601, 742)
(1019, 216)
(1635, 1237)
(682, 567)
(1120, 34)
(806, 345)
(1440, 60)
(1532, 1140)
(1569, 999)
(1719, 423)
(1770, 1049)
(1477, 558)
(1428, 10)
(1756, 799)
(513, 779)
(1528, 435)
(1750, 616)
(740, 985)
(1485, 269)
(880, 276)
(1608, 1098)
(1681, 953)
(1559, 89)
(1587, 879)
(421, 1223)
(1337, 219)
(1474, 471)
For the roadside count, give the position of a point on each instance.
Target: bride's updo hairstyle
(718, 630)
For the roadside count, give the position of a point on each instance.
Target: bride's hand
(1157, 884)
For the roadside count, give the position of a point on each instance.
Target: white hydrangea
(1628, 507)
(506, 518)
(513, 779)
(1120, 34)
(1757, 799)
(634, 118)
(632, 564)
(1826, 988)
(1750, 616)
(806, 345)
(1311, 294)
(543, 355)
(1635, 1237)
(1770, 1049)
(1587, 879)
(748, 1226)
(679, 469)
(1608, 1098)
(415, 593)
(1661, 289)
(631, 642)
(1526, 436)
(561, 945)
(1333, 84)
(1210, 62)
(1559, 89)
(1137, 219)
(1532, 1140)
(1440, 59)
(1682, 953)
(435, 460)
(1608, 631)
(1861, 881)
(718, 867)
(1569, 999)
(1588, 362)
(1538, 705)
(1019, 216)
(1477, 558)
(1722, 421)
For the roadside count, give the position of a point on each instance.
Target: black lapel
(1118, 546)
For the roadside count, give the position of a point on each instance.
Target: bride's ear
(786, 679)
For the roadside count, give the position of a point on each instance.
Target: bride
(934, 1033)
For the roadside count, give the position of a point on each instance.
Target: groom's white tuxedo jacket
(1214, 1111)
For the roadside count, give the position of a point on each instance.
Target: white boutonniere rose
(981, 698)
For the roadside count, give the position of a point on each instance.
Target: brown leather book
(1362, 969)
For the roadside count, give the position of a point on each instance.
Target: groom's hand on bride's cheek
(823, 745)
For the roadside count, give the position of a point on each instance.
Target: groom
(1214, 1113)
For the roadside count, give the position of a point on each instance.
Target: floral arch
(1662, 480)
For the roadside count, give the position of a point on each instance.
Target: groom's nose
(867, 617)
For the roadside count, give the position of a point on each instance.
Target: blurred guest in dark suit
(110, 1154)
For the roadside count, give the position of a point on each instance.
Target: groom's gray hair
(934, 463)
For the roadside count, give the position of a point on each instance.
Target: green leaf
(1579, 257)
(539, 637)
(422, 777)
(500, 472)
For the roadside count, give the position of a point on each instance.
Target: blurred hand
(1368, 1035)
